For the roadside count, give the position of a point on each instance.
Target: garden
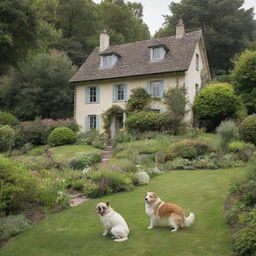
(44, 162)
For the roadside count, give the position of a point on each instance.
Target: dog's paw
(174, 230)
(104, 234)
(150, 227)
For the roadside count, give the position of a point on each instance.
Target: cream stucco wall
(82, 109)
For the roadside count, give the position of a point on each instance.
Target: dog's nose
(146, 199)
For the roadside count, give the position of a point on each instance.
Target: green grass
(60, 153)
(77, 231)
(63, 152)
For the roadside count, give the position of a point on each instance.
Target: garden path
(107, 154)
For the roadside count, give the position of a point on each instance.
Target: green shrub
(177, 164)
(151, 121)
(84, 161)
(190, 149)
(18, 187)
(8, 119)
(12, 225)
(247, 129)
(109, 181)
(61, 136)
(7, 137)
(138, 101)
(121, 137)
(227, 132)
(244, 150)
(244, 77)
(215, 103)
(244, 243)
(78, 185)
(37, 132)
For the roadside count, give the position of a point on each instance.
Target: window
(197, 88)
(119, 92)
(155, 88)
(93, 94)
(92, 122)
(157, 53)
(197, 62)
(108, 61)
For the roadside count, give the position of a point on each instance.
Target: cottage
(111, 72)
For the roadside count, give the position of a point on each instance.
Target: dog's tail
(189, 220)
(121, 239)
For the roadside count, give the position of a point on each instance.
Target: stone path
(77, 199)
(107, 154)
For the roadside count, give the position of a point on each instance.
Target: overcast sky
(154, 9)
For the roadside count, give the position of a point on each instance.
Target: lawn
(77, 231)
(60, 153)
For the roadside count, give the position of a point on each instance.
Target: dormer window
(108, 60)
(157, 53)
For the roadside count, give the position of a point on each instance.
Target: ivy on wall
(108, 114)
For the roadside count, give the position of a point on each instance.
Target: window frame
(115, 92)
(162, 53)
(94, 121)
(113, 60)
(160, 88)
(197, 61)
(92, 96)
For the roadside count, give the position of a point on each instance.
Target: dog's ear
(155, 195)
(107, 203)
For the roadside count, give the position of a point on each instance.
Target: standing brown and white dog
(160, 212)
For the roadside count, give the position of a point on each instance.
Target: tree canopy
(39, 88)
(227, 27)
(244, 78)
(23, 27)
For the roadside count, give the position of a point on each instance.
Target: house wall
(194, 76)
(105, 101)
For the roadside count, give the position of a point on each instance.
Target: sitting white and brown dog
(113, 222)
(161, 212)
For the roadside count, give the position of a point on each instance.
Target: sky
(155, 9)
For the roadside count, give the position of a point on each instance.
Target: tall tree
(40, 91)
(81, 22)
(227, 27)
(22, 29)
(78, 20)
(124, 21)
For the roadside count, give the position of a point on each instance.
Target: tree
(244, 78)
(22, 29)
(176, 100)
(215, 103)
(124, 21)
(79, 22)
(227, 28)
(40, 88)
(82, 21)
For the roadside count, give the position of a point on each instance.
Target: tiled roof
(135, 59)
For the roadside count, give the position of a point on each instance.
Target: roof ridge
(157, 38)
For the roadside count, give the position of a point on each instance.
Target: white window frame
(108, 61)
(157, 53)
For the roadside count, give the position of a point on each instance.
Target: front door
(119, 122)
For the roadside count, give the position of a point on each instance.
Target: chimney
(180, 29)
(104, 40)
